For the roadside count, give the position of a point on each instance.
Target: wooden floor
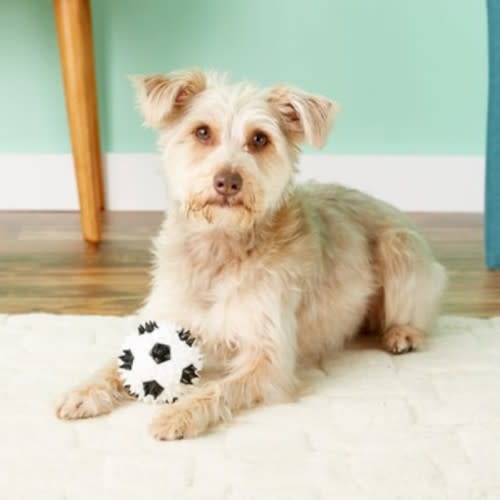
(44, 265)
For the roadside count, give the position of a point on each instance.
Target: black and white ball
(159, 362)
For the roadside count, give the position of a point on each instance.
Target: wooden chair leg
(74, 32)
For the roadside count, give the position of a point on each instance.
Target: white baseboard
(134, 181)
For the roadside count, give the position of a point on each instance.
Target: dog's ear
(306, 118)
(159, 97)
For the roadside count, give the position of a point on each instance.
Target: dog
(270, 275)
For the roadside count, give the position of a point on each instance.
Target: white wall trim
(134, 181)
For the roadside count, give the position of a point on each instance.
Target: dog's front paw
(175, 422)
(401, 339)
(84, 403)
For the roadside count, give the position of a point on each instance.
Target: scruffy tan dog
(268, 274)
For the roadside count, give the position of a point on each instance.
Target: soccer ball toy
(158, 362)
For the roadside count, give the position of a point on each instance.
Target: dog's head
(229, 150)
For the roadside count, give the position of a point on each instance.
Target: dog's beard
(221, 212)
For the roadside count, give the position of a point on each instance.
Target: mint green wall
(410, 74)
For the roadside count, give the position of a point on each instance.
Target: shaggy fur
(275, 276)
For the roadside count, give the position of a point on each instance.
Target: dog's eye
(259, 140)
(203, 133)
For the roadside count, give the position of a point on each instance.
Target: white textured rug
(421, 426)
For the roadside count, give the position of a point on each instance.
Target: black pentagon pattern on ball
(152, 388)
(148, 327)
(130, 391)
(185, 336)
(127, 359)
(160, 353)
(188, 374)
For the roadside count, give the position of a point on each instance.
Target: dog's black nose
(227, 183)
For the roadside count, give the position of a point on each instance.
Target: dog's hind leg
(412, 286)
(97, 396)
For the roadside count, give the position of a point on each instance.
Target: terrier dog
(268, 274)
